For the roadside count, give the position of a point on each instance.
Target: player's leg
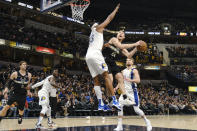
(53, 105)
(119, 77)
(141, 113)
(93, 65)
(133, 96)
(3, 112)
(44, 102)
(109, 85)
(120, 115)
(11, 100)
(50, 122)
(97, 89)
(98, 66)
(21, 104)
(42, 114)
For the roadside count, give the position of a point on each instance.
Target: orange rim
(88, 2)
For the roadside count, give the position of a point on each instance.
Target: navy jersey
(20, 83)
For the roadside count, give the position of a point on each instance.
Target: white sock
(40, 120)
(98, 92)
(120, 122)
(146, 120)
(120, 115)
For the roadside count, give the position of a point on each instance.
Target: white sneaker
(52, 124)
(118, 128)
(39, 126)
(148, 124)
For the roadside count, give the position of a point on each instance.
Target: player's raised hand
(118, 6)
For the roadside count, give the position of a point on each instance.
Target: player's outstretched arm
(37, 84)
(129, 54)
(102, 26)
(117, 43)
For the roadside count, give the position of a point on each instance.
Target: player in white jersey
(96, 62)
(43, 94)
(131, 79)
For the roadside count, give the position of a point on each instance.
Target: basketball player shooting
(96, 62)
(111, 51)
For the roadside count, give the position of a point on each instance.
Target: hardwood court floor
(134, 123)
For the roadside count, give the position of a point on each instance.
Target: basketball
(142, 47)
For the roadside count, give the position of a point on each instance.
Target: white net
(78, 7)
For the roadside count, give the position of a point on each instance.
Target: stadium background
(167, 69)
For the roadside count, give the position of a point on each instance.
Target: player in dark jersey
(111, 50)
(18, 85)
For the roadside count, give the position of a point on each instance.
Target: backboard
(49, 5)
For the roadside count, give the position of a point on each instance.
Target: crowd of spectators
(164, 99)
(185, 72)
(62, 42)
(156, 23)
(182, 51)
(181, 61)
(13, 28)
(77, 94)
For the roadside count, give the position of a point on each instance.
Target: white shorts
(43, 98)
(96, 63)
(132, 98)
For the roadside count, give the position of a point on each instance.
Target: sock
(98, 92)
(146, 120)
(120, 115)
(119, 122)
(40, 120)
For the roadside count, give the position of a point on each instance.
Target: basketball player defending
(19, 84)
(96, 62)
(131, 78)
(48, 83)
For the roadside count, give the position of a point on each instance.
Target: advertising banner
(45, 50)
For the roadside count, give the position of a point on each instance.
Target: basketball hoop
(78, 7)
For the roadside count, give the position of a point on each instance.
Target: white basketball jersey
(96, 40)
(47, 87)
(128, 73)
